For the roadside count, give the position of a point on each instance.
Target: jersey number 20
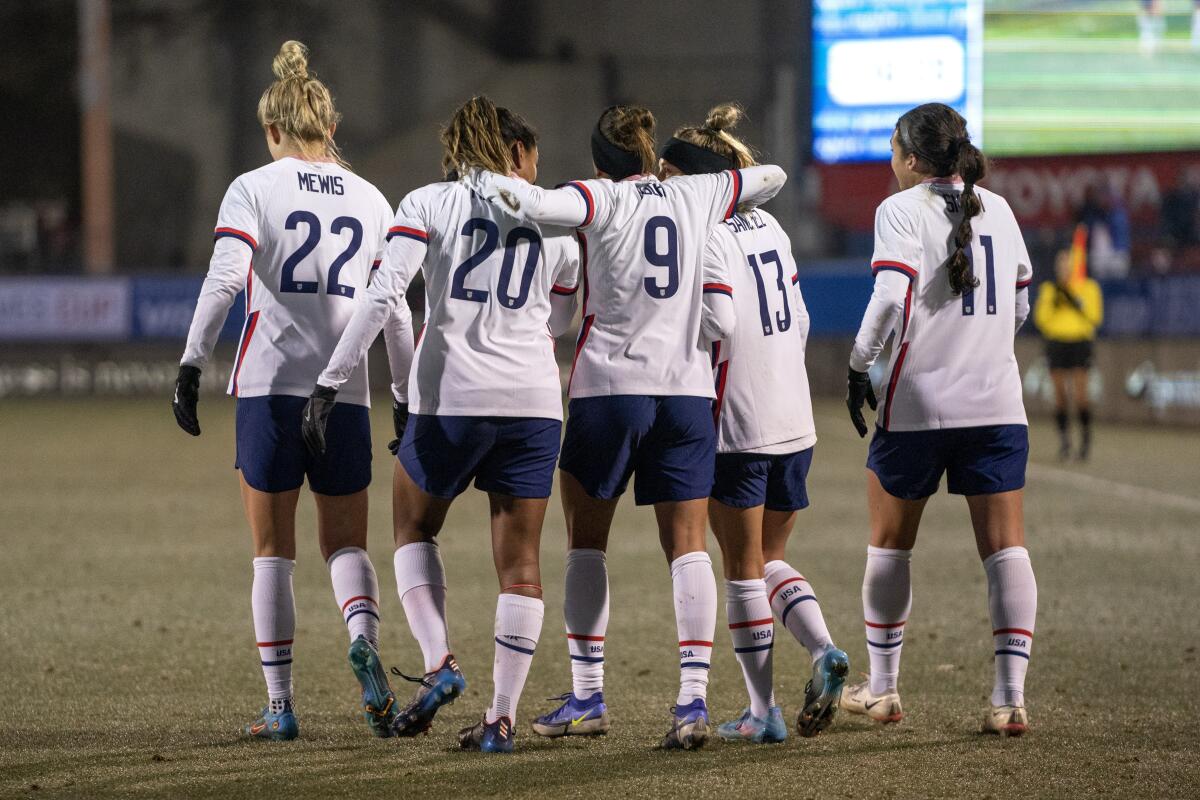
(491, 236)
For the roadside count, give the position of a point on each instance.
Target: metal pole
(96, 156)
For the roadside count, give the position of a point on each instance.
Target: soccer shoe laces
(423, 680)
(562, 697)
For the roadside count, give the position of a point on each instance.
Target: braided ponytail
(937, 135)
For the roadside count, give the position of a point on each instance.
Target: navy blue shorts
(272, 456)
(985, 460)
(668, 443)
(507, 455)
(746, 480)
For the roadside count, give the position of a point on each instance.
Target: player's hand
(858, 391)
(483, 183)
(316, 414)
(187, 395)
(399, 422)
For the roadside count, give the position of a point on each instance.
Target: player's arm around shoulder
(718, 318)
(563, 253)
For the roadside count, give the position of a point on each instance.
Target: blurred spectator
(1109, 237)
(1181, 211)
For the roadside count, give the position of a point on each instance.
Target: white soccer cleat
(885, 708)
(1006, 720)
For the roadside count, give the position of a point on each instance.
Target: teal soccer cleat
(750, 728)
(378, 701)
(823, 692)
(439, 687)
(280, 726)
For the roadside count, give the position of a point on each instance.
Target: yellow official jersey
(1059, 320)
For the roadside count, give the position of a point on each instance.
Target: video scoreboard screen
(1031, 77)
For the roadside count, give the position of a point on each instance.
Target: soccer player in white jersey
(486, 400)
(300, 236)
(641, 392)
(951, 289)
(765, 439)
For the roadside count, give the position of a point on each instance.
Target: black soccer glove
(858, 390)
(399, 422)
(316, 414)
(187, 395)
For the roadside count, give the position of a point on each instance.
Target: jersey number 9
(666, 256)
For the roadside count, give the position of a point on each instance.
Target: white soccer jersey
(486, 348)
(952, 363)
(301, 237)
(643, 281)
(763, 403)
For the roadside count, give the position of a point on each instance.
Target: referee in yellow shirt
(1069, 310)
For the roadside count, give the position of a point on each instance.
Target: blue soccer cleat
(750, 728)
(488, 737)
(689, 729)
(439, 687)
(378, 701)
(278, 726)
(574, 717)
(823, 692)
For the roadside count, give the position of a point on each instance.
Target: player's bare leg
(342, 530)
(681, 532)
(272, 518)
(417, 518)
(887, 598)
(585, 611)
(999, 522)
(516, 541)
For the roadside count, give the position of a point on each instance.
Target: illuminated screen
(1032, 77)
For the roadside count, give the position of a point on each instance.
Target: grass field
(1070, 77)
(128, 663)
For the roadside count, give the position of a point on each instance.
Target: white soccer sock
(585, 611)
(793, 600)
(752, 631)
(887, 599)
(1012, 602)
(356, 589)
(421, 583)
(518, 625)
(695, 621)
(274, 610)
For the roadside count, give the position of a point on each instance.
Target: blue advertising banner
(875, 59)
(162, 308)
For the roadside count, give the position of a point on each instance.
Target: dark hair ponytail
(937, 135)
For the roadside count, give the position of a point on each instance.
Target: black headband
(693, 159)
(616, 162)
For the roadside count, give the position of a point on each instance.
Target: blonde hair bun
(723, 117)
(291, 61)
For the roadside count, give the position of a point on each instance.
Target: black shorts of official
(1069, 355)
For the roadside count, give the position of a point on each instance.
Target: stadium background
(127, 569)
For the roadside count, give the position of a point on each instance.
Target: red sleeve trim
(410, 233)
(893, 266)
(718, 288)
(234, 233)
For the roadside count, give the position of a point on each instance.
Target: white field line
(1113, 489)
